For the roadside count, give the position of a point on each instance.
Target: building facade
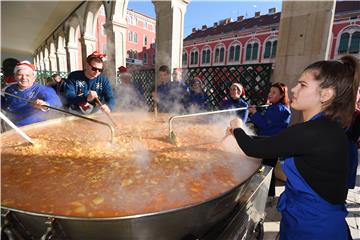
(254, 40)
(140, 39)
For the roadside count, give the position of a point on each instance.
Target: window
(135, 37)
(145, 25)
(274, 48)
(205, 56)
(103, 30)
(194, 57)
(255, 51)
(145, 58)
(184, 58)
(234, 53)
(131, 36)
(344, 42)
(267, 49)
(153, 58)
(252, 50)
(270, 49)
(248, 52)
(219, 54)
(350, 41)
(145, 40)
(355, 43)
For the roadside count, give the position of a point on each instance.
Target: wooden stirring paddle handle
(107, 113)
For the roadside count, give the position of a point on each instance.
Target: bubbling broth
(72, 170)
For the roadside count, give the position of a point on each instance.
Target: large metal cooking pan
(194, 220)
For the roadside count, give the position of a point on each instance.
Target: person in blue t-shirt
(83, 87)
(21, 112)
(196, 100)
(237, 92)
(129, 94)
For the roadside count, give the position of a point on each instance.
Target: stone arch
(46, 59)
(52, 56)
(61, 52)
(74, 50)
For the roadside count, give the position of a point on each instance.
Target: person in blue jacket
(315, 152)
(196, 100)
(277, 116)
(237, 92)
(21, 112)
(83, 87)
(272, 121)
(169, 94)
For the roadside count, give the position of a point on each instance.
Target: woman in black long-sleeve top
(316, 151)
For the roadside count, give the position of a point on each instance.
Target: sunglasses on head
(96, 69)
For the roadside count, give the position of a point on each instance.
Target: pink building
(140, 44)
(254, 40)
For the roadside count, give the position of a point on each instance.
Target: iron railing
(255, 78)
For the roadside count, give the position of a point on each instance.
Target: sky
(201, 12)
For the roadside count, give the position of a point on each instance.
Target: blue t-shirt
(23, 113)
(171, 95)
(237, 103)
(274, 119)
(199, 101)
(77, 89)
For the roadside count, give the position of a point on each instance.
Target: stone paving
(272, 219)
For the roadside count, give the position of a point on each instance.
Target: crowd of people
(319, 156)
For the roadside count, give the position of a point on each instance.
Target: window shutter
(355, 43)
(248, 52)
(255, 51)
(344, 42)
(274, 48)
(267, 49)
(237, 53)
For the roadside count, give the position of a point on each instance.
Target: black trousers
(271, 163)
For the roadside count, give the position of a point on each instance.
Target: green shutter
(355, 43)
(231, 54)
(248, 52)
(208, 56)
(203, 57)
(274, 48)
(344, 42)
(237, 53)
(267, 49)
(222, 54)
(255, 51)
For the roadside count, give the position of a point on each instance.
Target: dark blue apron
(305, 215)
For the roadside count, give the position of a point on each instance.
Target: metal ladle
(112, 131)
(18, 130)
(172, 135)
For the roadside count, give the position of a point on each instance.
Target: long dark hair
(343, 77)
(284, 91)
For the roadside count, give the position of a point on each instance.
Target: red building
(140, 45)
(254, 40)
